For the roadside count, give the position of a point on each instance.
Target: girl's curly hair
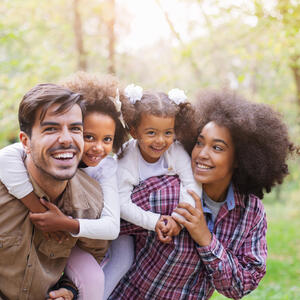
(159, 105)
(259, 136)
(97, 92)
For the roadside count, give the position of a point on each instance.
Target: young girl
(103, 132)
(155, 121)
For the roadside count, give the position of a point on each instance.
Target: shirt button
(51, 255)
(25, 290)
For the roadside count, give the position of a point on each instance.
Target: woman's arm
(234, 274)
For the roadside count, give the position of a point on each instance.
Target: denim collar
(229, 199)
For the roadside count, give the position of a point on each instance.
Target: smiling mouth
(157, 149)
(203, 167)
(63, 155)
(94, 157)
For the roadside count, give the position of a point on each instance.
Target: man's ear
(25, 140)
(132, 132)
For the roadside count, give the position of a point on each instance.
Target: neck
(216, 193)
(50, 185)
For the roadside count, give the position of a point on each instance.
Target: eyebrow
(215, 140)
(158, 129)
(47, 123)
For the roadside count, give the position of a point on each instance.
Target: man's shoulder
(82, 180)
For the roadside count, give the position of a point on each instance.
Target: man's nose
(65, 137)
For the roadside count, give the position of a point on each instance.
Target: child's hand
(161, 230)
(166, 228)
(49, 221)
(172, 228)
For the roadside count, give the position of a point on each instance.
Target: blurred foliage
(249, 46)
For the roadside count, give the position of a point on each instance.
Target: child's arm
(183, 169)
(13, 174)
(108, 226)
(129, 210)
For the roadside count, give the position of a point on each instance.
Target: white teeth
(201, 166)
(63, 155)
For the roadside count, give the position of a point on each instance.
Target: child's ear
(25, 140)
(132, 132)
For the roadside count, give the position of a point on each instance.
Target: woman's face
(98, 133)
(213, 158)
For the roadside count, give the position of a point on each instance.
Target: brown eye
(108, 139)
(88, 138)
(218, 148)
(50, 129)
(151, 133)
(169, 132)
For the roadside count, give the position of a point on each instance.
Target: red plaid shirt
(233, 263)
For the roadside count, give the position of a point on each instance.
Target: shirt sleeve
(183, 169)
(107, 227)
(13, 173)
(129, 210)
(236, 275)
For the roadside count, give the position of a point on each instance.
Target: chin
(61, 176)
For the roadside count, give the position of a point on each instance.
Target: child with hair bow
(158, 122)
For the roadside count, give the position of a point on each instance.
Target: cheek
(108, 148)
(227, 164)
(86, 148)
(80, 142)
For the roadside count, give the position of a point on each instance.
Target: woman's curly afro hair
(259, 136)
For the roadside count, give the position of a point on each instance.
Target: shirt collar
(230, 198)
(230, 201)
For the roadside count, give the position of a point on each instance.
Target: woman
(224, 244)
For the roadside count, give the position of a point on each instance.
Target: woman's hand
(61, 294)
(194, 221)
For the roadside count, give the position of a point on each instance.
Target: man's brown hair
(43, 96)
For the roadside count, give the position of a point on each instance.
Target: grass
(282, 280)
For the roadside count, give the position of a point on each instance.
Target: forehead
(148, 120)
(72, 114)
(214, 131)
(98, 122)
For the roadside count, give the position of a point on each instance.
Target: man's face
(56, 144)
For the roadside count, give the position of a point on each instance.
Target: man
(51, 123)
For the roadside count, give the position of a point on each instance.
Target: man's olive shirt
(29, 263)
